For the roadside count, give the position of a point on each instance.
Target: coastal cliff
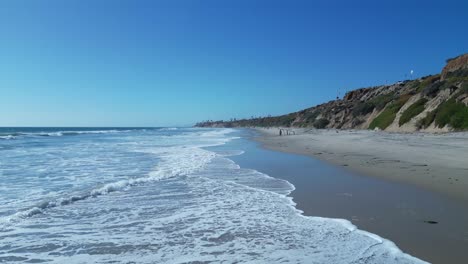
(435, 103)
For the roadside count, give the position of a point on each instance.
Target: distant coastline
(435, 103)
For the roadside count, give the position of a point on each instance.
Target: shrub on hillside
(452, 113)
(382, 100)
(427, 120)
(433, 89)
(378, 102)
(428, 81)
(285, 120)
(464, 87)
(460, 74)
(412, 111)
(363, 108)
(386, 118)
(415, 84)
(321, 123)
(310, 116)
(357, 122)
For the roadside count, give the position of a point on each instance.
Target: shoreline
(436, 163)
(401, 213)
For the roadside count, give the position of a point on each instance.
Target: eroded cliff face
(437, 103)
(460, 62)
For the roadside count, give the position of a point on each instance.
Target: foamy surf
(187, 159)
(150, 198)
(60, 133)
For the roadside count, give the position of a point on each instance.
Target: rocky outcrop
(457, 63)
(437, 103)
(356, 94)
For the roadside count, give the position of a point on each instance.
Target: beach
(207, 195)
(436, 162)
(424, 219)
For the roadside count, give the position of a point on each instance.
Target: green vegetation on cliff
(464, 87)
(379, 102)
(427, 120)
(385, 118)
(427, 81)
(412, 111)
(452, 113)
(458, 75)
(321, 123)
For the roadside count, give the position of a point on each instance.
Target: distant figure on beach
(281, 132)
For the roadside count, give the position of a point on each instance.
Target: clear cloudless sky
(168, 63)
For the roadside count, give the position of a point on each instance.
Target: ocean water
(158, 195)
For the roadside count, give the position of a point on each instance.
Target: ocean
(158, 195)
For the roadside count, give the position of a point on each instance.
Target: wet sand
(435, 162)
(399, 212)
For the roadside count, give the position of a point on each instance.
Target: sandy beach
(436, 162)
(429, 223)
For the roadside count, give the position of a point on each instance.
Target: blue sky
(166, 63)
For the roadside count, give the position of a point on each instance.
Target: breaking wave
(17, 135)
(195, 206)
(174, 161)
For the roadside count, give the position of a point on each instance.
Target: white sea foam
(174, 161)
(50, 134)
(194, 206)
(17, 135)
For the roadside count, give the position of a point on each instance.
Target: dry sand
(437, 162)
